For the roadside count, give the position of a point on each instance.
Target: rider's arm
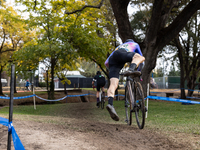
(94, 80)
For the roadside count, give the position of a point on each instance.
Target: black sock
(132, 66)
(110, 100)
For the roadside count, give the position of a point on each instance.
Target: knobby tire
(140, 105)
(102, 102)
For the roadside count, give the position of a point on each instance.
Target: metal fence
(169, 82)
(79, 83)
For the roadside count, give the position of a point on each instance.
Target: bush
(42, 84)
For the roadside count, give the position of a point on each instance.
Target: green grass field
(162, 115)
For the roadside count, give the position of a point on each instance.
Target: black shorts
(100, 85)
(118, 60)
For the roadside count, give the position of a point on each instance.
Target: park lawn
(162, 115)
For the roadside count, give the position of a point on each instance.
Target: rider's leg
(111, 90)
(97, 94)
(136, 60)
(113, 86)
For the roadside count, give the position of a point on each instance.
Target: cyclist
(100, 83)
(130, 52)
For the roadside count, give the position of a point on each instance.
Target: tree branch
(181, 20)
(35, 4)
(89, 6)
(8, 50)
(100, 67)
(4, 38)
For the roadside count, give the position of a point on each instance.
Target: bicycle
(134, 100)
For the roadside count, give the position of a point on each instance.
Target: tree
(159, 32)
(12, 33)
(189, 54)
(63, 35)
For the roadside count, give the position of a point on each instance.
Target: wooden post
(34, 98)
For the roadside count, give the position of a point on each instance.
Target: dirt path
(80, 133)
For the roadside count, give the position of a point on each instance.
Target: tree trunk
(120, 12)
(1, 89)
(52, 78)
(191, 85)
(47, 80)
(182, 77)
(65, 88)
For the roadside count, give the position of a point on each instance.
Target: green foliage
(89, 68)
(174, 72)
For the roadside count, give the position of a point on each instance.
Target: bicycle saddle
(132, 74)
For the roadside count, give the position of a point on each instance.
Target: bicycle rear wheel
(128, 107)
(139, 105)
(102, 102)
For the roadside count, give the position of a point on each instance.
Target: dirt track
(78, 132)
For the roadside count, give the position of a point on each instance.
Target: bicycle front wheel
(128, 107)
(139, 105)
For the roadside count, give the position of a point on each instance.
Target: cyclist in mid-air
(129, 51)
(100, 82)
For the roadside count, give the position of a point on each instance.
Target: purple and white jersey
(129, 47)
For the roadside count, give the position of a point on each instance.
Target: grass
(121, 91)
(172, 116)
(162, 115)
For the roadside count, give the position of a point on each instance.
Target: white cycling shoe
(112, 112)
